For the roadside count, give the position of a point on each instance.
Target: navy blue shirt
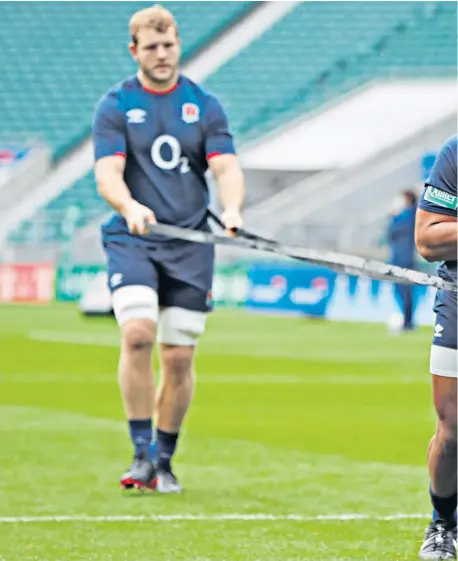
(167, 139)
(401, 237)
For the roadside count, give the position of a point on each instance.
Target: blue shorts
(445, 329)
(444, 358)
(180, 272)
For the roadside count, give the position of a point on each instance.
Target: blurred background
(336, 107)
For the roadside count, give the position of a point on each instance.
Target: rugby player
(436, 239)
(155, 135)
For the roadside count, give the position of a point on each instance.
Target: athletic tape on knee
(135, 302)
(178, 326)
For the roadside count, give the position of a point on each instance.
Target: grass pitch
(295, 425)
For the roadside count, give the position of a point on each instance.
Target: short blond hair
(155, 17)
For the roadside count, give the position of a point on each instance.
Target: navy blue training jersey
(167, 139)
(440, 197)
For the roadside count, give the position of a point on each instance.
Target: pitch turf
(291, 417)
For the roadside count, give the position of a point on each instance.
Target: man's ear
(133, 50)
(179, 44)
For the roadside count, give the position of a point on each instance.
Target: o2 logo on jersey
(190, 113)
(175, 161)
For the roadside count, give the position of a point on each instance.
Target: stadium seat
(59, 58)
(80, 204)
(321, 50)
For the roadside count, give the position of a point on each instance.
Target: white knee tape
(178, 326)
(135, 302)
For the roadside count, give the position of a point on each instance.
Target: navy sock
(444, 507)
(435, 516)
(141, 434)
(152, 451)
(166, 445)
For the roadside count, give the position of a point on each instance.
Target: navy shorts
(445, 329)
(444, 358)
(180, 272)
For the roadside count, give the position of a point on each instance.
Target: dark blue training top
(440, 197)
(167, 139)
(401, 236)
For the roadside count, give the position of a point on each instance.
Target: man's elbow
(427, 253)
(423, 248)
(101, 185)
(426, 249)
(100, 189)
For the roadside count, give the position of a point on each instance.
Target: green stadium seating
(49, 224)
(61, 57)
(58, 58)
(317, 52)
(426, 47)
(321, 50)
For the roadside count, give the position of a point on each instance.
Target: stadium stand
(44, 98)
(90, 38)
(275, 79)
(322, 50)
(50, 222)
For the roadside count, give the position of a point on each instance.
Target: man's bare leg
(136, 312)
(178, 335)
(442, 452)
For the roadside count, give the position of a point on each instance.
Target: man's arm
(231, 187)
(436, 220)
(110, 161)
(436, 236)
(224, 164)
(109, 175)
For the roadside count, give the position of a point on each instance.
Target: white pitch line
(210, 518)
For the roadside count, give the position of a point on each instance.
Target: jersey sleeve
(108, 130)
(218, 139)
(440, 195)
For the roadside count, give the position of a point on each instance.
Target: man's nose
(161, 51)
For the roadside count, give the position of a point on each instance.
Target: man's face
(157, 54)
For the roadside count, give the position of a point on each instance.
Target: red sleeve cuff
(120, 154)
(212, 155)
